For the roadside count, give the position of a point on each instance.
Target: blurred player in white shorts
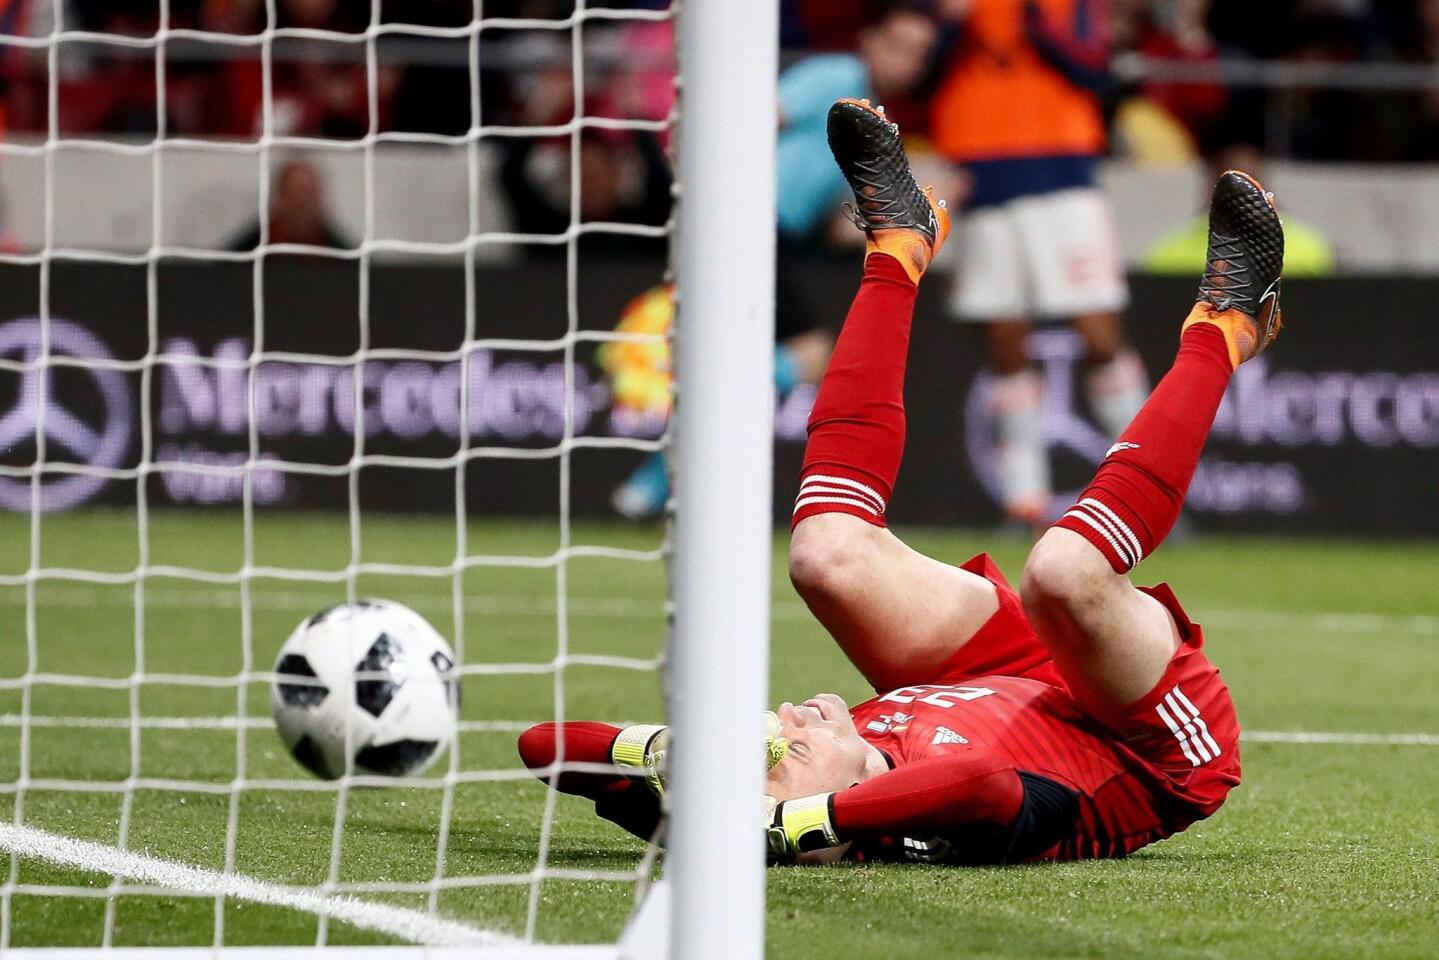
(1053, 256)
(1017, 112)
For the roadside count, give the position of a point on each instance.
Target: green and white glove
(799, 826)
(775, 746)
(643, 748)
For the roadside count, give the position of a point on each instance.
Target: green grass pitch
(1327, 850)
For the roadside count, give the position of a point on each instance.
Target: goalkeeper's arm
(621, 769)
(986, 811)
(626, 799)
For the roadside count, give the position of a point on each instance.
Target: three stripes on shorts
(1182, 718)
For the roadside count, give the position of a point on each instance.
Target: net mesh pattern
(46, 698)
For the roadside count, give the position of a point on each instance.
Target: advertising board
(1336, 429)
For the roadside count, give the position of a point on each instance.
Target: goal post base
(647, 935)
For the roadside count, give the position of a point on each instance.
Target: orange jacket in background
(1001, 98)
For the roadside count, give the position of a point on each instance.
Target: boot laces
(885, 208)
(1226, 280)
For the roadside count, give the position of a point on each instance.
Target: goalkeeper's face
(825, 752)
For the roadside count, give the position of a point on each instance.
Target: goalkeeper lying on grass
(1076, 718)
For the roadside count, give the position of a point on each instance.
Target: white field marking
(628, 608)
(527, 951)
(400, 922)
(1367, 739)
(219, 723)
(1333, 622)
(515, 726)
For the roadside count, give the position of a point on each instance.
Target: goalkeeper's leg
(1111, 641)
(896, 613)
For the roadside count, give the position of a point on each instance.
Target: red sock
(584, 742)
(856, 430)
(625, 801)
(1135, 497)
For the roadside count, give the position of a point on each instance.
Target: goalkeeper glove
(644, 746)
(775, 746)
(799, 826)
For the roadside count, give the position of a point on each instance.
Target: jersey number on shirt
(935, 695)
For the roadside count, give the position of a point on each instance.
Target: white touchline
(404, 924)
(221, 723)
(1372, 739)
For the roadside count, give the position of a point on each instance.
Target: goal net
(300, 304)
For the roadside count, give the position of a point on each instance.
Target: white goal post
(709, 900)
(723, 451)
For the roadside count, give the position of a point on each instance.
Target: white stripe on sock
(1120, 551)
(1105, 511)
(1088, 505)
(847, 501)
(811, 489)
(844, 482)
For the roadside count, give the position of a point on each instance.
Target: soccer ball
(370, 682)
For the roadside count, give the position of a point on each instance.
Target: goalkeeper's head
(824, 751)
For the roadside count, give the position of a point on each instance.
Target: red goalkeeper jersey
(1104, 787)
(992, 760)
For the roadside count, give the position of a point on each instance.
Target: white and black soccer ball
(370, 681)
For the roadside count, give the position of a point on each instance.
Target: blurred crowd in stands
(1311, 121)
(423, 84)
(213, 86)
